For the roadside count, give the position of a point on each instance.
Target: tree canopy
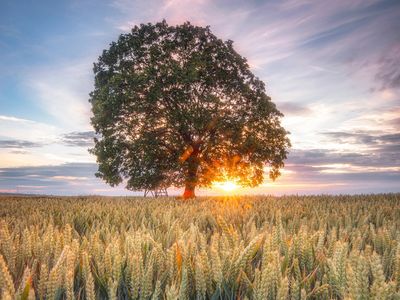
(177, 106)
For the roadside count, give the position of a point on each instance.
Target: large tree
(176, 106)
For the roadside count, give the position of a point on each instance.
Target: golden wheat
(315, 247)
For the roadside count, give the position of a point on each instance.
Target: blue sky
(332, 67)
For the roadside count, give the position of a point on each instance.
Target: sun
(227, 186)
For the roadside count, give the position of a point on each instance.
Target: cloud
(316, 157)
(19, 152)
(79, 139)
(69, 169)
(292, 108)
(65, 179)
(69, 178)
(395, 122)
(328, 171)
(379, 146)
(14, 119)
(373, 161)
(388, 70)
(47, 144)
(373, 168)
(18, 144)
(62, 90)
(366, 137)
(14, 128)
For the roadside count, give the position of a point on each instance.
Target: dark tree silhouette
(176, 106)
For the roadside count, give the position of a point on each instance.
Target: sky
(332, 68)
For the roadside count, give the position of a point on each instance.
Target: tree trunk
(191, 178)
(189, 191)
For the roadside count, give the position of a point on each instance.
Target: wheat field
(293, 247)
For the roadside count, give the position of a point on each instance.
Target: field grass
(316, 247)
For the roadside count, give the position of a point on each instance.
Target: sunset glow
(227, 186)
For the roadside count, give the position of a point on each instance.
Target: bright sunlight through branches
(227, 186)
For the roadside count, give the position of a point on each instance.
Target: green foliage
(318, 247)
(175, 105)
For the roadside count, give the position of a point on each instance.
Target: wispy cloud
(63, 91)
(79, 139)
(388, 71)
(69, 178)
(365, 137)
(21, 129)
(29, 143)
(64, 179)
(18, 144)
(14, 119)
(293, 108)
